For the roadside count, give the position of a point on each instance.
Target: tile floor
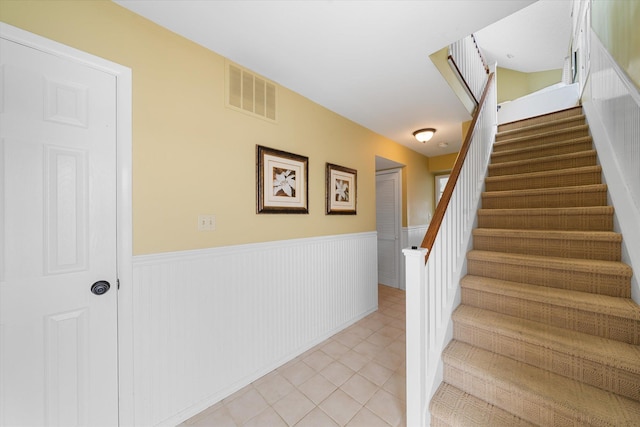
(355, 378)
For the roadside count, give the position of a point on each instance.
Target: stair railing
(433, 271)
(466, 60)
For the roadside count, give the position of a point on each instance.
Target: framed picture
(342, 188)
(282, 181)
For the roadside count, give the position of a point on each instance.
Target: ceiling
(365, 60)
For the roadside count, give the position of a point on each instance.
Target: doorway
(389, 226)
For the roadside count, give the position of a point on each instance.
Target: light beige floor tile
(373, 324)
(237, 394)
(391, 332)
(337, 373)
(297, 373)
(335, 349)
(398, 346)
(293, 407)
(273, 387)
(368, 349)
(247, 406)
(359, 330)
(221, 417)
(389, 359)
(376, 373)
(316, 418)
(268, 417)
(366, 418)
(348, 339)
(203, 414)
(317, 388)
(360, 388)
(354, 360)
(340, 406)
(397, 386)
(387, 407)
(318, 360)
(378, 339)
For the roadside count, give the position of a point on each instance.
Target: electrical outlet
(206, 222)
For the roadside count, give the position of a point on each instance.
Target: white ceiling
(365, 60)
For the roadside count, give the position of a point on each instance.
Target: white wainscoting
(612, 105)
(208, 322)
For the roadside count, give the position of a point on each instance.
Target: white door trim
(398, 173)
(124, 193)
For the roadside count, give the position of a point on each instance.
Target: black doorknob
(100, 287)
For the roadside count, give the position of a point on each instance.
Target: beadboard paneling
(208, 322)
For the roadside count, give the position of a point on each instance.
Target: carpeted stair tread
(596, 218)
(568, 353)
(542, 127)
(604, 245)
(556, 197)
(534, 394)
(551, 149)
(604, 304)
(596, 276)
(544, 118)
(584, 175)
(561, 161)
(541, 138)
(615, 318)
(452, 407)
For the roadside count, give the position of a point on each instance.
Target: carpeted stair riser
(539, 139)
(542, 127)
(533, 394)
(600, 362)
(563, 161)
(619, 326)
(546, 118)
(599, 277)
(563, 244)
(451, 407)
(565, 147)
(560, 197)
(586, 175)
(595, 218)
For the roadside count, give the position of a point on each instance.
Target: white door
(388, 226)
(58, 340)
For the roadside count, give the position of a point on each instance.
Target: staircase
(546, 333)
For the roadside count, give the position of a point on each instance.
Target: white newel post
(416, 336)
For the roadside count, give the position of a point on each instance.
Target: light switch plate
(206, 222)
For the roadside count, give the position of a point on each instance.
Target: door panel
(388, 227)
(58, 355)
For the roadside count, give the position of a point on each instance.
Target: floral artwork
(342, 190)
(282, 181)
(341, 186)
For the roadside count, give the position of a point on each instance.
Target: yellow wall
(514, 84)
(192, 155)
(616, 24)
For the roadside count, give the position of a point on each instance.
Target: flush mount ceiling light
(423, 135)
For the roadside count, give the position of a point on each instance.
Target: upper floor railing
(466, 60)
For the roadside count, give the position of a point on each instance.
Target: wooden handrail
(438, 215)
(462, 79)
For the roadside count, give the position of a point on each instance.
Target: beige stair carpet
(546, 333)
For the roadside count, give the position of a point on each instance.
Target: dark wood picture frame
(341, 193)
(282, 181)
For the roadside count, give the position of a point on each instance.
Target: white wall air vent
(250, 93)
